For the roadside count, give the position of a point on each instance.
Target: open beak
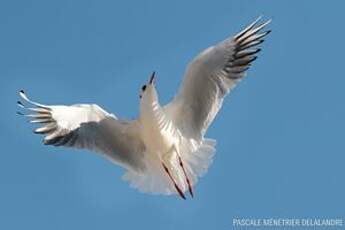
(152, 78)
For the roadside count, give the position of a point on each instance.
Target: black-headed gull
(164, 151)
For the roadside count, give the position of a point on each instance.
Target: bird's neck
(149, 106)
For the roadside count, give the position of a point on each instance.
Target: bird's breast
(158, 132)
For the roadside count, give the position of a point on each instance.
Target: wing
(210, 77)
(88, 126)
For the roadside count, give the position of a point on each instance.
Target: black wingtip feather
(242, 71)
(256, 51)
(240, 63)
(52, 141)
(63, 140)
(20, 103)
(251, 26)
(35, 132)
(245, 54)
(250, 44)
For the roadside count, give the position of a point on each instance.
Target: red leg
(172, 179)
(190, 188)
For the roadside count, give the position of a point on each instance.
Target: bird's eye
(143, 88)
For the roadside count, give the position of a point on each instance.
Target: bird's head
(148, 92)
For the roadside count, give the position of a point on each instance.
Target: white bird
(164, 151)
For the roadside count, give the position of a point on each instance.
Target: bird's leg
(172, 179)
(190, 188)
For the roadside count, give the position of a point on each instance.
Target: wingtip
(265, 23)
(258, 18)
(20, 104)
(45, 141)
(22, 94)
(21, 91)
(254, 24)
(20, 113)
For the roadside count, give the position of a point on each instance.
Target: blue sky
(280, 134)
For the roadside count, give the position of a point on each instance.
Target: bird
(163, 151)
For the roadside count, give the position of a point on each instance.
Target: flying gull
(164, 151)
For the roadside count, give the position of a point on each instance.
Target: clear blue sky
(280, 134)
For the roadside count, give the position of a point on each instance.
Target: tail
(154, 180)
(200, 160)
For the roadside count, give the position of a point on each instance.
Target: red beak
(152, 78)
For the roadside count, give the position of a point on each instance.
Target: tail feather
(154, 180)
(201, 159)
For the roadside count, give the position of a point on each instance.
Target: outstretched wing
(210, 77)
(88, 126)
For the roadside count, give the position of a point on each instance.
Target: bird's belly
(160, 138)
